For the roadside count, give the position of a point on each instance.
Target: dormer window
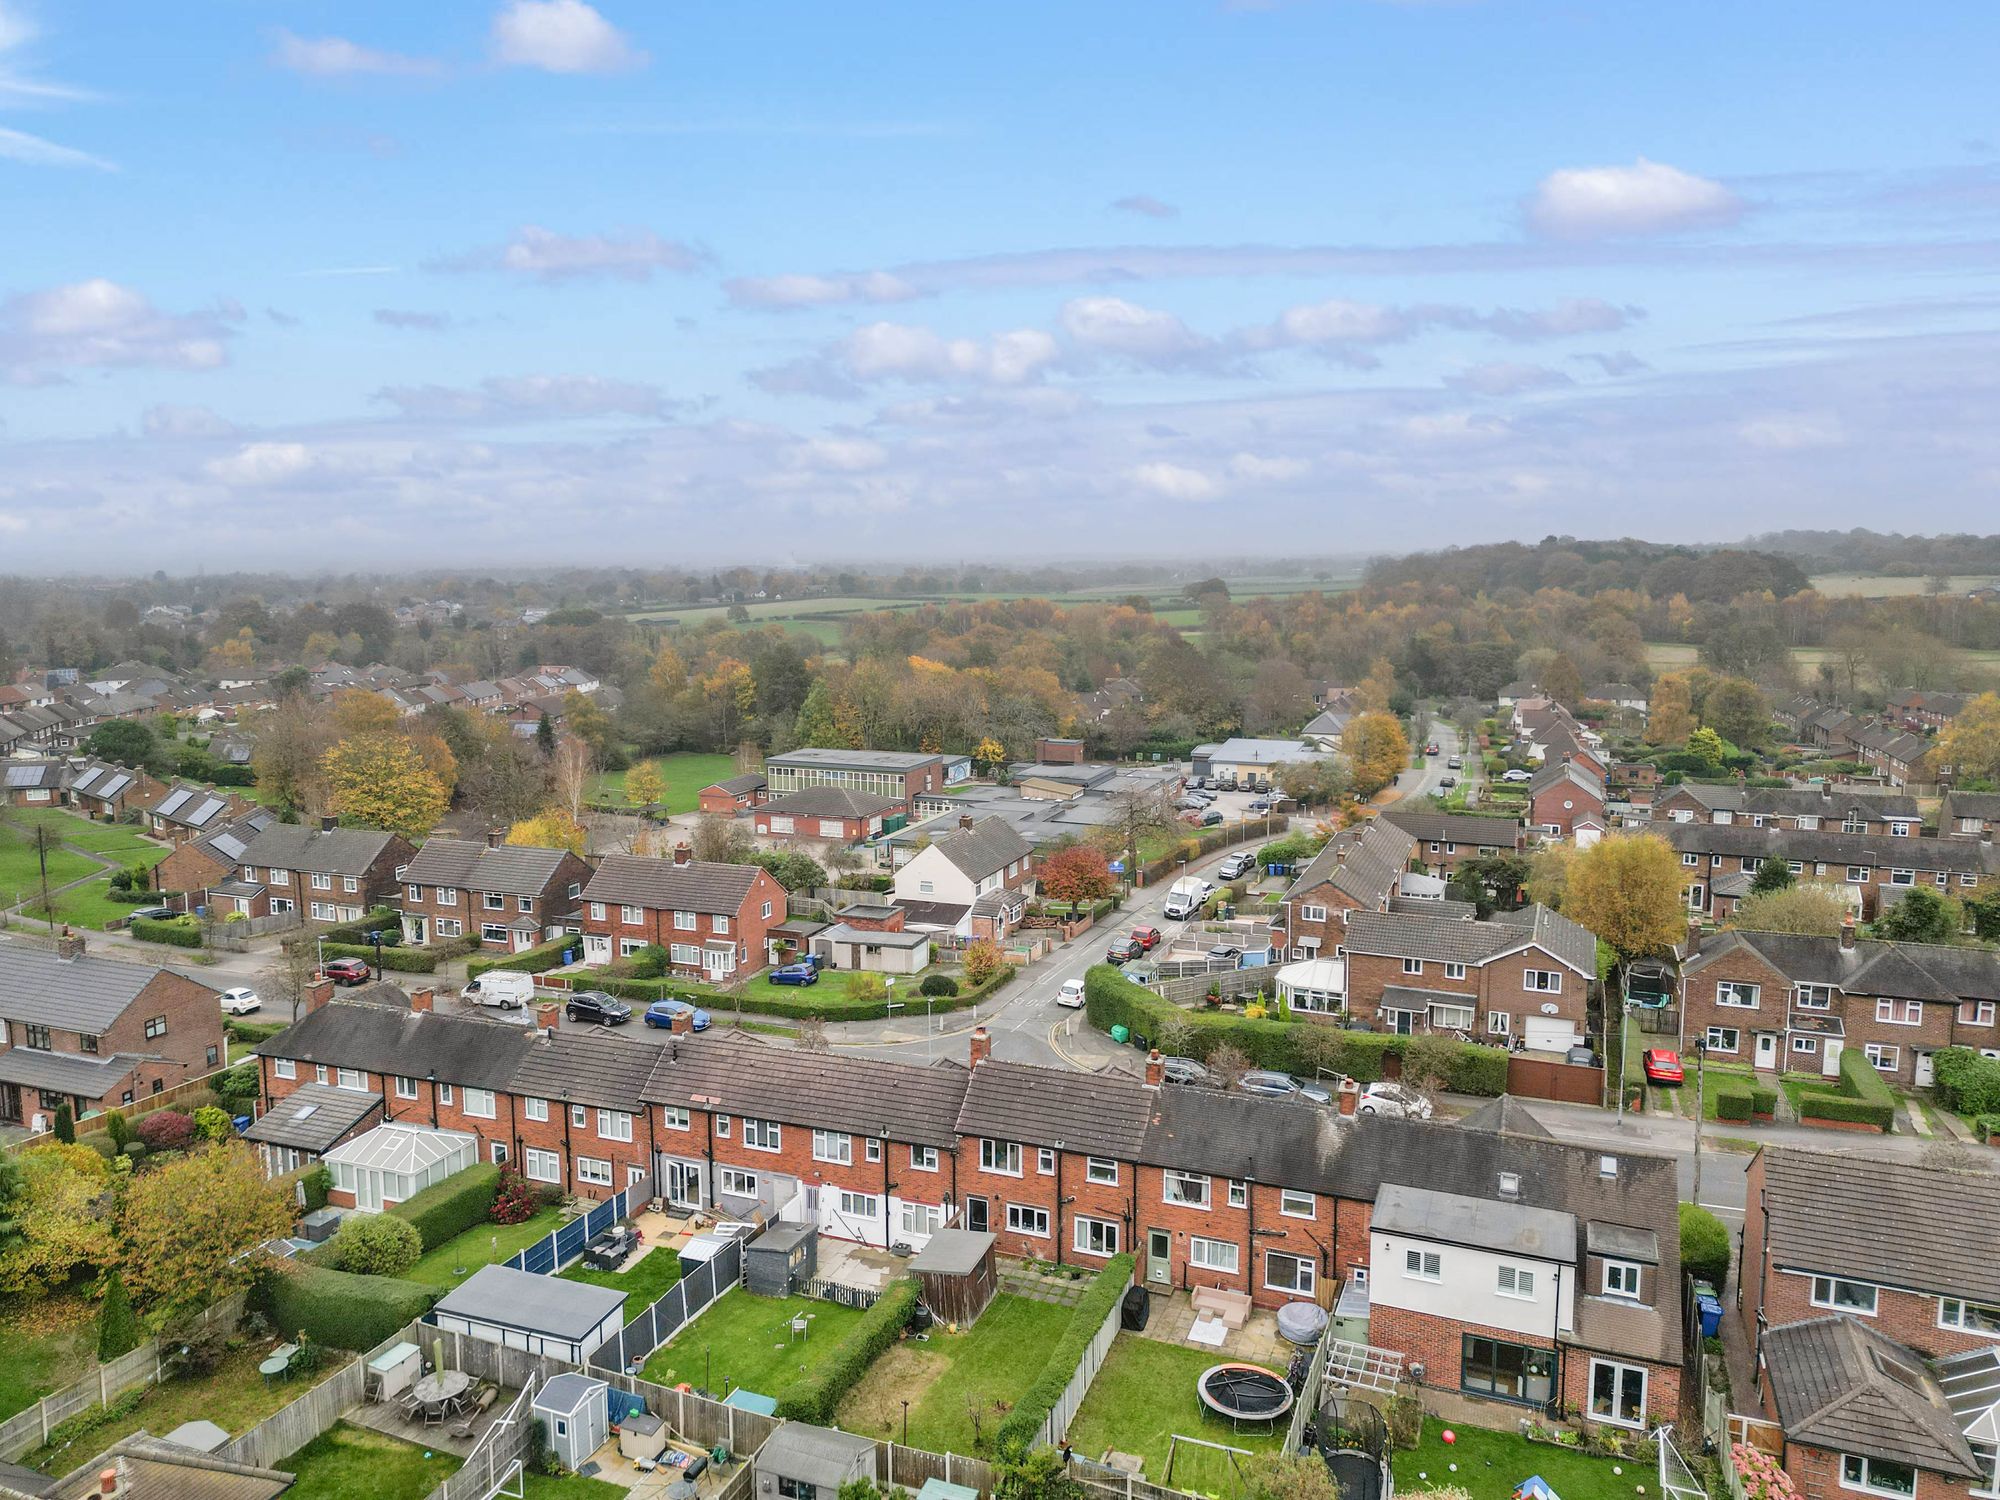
(1510, 1184)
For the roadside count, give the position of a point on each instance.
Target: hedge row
(528, 960)
(339, 1308)
(1302, 1047)
(1859, 1096)
(1024, 1423)
(375, 919)
(1742, 1098)
(180, 932)
(1967, 1083)
(451, 1207)
(403, 960)
(1705, 1252)
(814, 1396)
(799, 1008)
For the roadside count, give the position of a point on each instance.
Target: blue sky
(521, 279)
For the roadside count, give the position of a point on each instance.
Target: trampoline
(1353, 1439)
(1244, 1393)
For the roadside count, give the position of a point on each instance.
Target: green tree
(65, 1124)
(1704, 1246)
(1706, 745)
(187, 1228)
(128, 742)
(1922, 915)
(117, 1328)
(1772, 875)
(60, 1221)
(545, 735)
(1629, 892)
(1738, 711)
(1817, 910)
(1040, 1474)
(377, 1245)
(814, 728)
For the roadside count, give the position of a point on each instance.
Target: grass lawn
(351, 1463)
(88, 905)
(1146, 1393)
(831, 992)
(119, 841)
(49, 1344)
(646, 1283)
(481, 1245)
(20, 869)
(685, 772)
(952, 1374)
(571, 1487)
(1491, 1464)
(746, 1341)
(234, 1397)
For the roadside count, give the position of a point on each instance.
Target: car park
(1147, 938)
(1394, 1101)
(348, 971)
(595, 1005)
(806, 973)
(1275, 1085)
(663, 1013)
(1185, 1070)
(240, 1001)
(1122, 950)
(1663, 1065)
(1070, 996)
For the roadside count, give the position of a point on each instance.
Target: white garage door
(1550, 1034)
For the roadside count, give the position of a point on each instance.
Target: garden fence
(286, 1431)
(499, 1453)
(1059, 1417)
(559, 1247)
(822, 1290)
(630, 1347)
(93, 1124)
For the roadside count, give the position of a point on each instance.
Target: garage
(1549, 1034)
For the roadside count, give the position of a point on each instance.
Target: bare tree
(1227, 1065)
(1135, 815)
(569, 776)
(1176, 1035)
(811, 1034)
(289, 975)
(720, 840)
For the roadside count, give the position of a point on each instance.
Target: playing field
(1875, 586)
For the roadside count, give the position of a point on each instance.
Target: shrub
(338, 1307)
(938, 985)
(1967, 1083)
(982, 960)
(318, 1186)
(1024, 1423)
(527, 961)
(1859, 1096)
(866, 987)
(165, 1130)
(1704, 1246)
(180, 932)
(451, 1207)
(1988, 1127)
(377, 1244)
(402, 960)
(650, 962)
(117, 1328)
(515, 1201)
(212, 1123)
(1732, 1102)
(133, 1150)
(813, 1396)
(239, 1088)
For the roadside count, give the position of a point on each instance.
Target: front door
(1829, 1057)
(10, 1104)
(1160, 1257)
(1924, 1071)
(1767, 1051)
(975, 1215)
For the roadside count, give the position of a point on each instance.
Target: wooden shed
(955, 1270)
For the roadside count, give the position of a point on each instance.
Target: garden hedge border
(1739, 1099)
(451, 1207)
(720, 1001)
(528, 961)
(339, 1307)
(1859, 1097)
(1966, 1082)
(1016, 1435)
(402, 960)
(1705, 1249)
(814, 1396)
(179, 932)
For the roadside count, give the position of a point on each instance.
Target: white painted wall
(1466, 1289)
(948, 883)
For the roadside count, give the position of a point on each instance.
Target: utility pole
(1700, 1114)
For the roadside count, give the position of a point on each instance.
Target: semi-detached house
(1870, 864)
(323, 874)
(1812, 810)
(713, 919)
(508, 897)
(1358, 870)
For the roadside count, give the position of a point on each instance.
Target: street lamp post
(1700, 1074)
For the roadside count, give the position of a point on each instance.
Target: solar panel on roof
(24, 775)
(229, 846)
(84, 781)
(207, 810)
(174, 799)
(114, 786)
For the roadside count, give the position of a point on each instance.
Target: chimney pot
(420, 1000)
(982, 1045)
(547, 1016)
(1694, 930)
(681, 1021)
(318, 993)
(1156, 1069)
(493, 838)
(1348, 1096)
(683, 854)
(107, 1481)
(965, 820)
(328, 824)
(69, 947)
(1847, 931)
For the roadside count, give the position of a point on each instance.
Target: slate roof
(662, 885)
(313, 1117)
(318, 851)
(1821, 846)
(1874, 1220)
(471, 865)
(590, 1067)
(1833, 803)
(1364, 867)
(227, 843)
(984, 849)
(1556, 772)
(749, 781)
(1902, 971)
(64, 1072)
(831, 802)
(1455, 828)
(1450, 939)
(1848, 1389)
(86, 993)
(1089, 1112)
(412, 1044)
(1968, 805)
(1290, 1141)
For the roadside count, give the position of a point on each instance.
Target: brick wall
(1818, 1473)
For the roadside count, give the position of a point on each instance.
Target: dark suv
(595, 1005)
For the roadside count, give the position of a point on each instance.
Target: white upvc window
(1297, 1274)
(736, 1182)
(322, 882)
(614, 1125)
(1885, 1059)
(1000, 1156)
(1187, 1189)
(761, 1135)
(631, 916)
(924, 1158)
(1239, 1194)
(1045, 1161)
(872, 1148)
(594, 1171)
(1413, 966)
(414, 892)
(1312, 913)
(352, 1079)
(479, 1103)
(1515, 1281)
(1976, 1013)
(1101, 1169)
(1295, 1205)
(920, 1218)
(541, 1166)
(492, 901)
(1813, 996)
(1213, 1255)
(1621, 1278)
(406, 1088)
(674, 1117)
(579, 1116)
(1737, 994)
(1900, 1012)
(1454, 971)
(722, 1127)
(1423, 1265)
(597, 911)
(1805, 1044)
(535, 1109)
(1025, 1218)
(1972, 1317)
(855, 1205)
(444, 1093)
(284, 1067)
(1876, 1476)
(1723, 1039)
(1542, 981)
(718, 924)
(834, 1146)
(1498, 1023)
(686, 921)
(1096, 1236)
(1618, 1393)
(1844, 1296)
(447, 895)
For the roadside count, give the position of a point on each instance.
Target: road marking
(1720, 1208)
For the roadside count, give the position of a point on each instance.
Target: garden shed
(393, 1163)
(575, 1417)
(955, 1270)
(781, 1260)
(542, 1314)
(803, 1462)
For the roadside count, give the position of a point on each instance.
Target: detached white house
(975, 859)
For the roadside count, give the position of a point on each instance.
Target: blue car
(661, 1013)
(796, 974)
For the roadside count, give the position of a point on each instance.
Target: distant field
(1669, 656)
(686, 774)
(1874, 586)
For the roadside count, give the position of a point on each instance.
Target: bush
(1732, 1103)
(318, 1186)
(402, 960)
(866, 988)
(1967, 1084)
(117, 1127)
(377, 1244)
(338, 1307)
(1859, 1096)
(813, 1397)
(515, 1200)
(212, 1123)
(1988, 1128)
(117, 1328)
(938, 985)
(528, 960)
(375, 919)
(451, 1207)
(650, 962)
(1024, 1423)
(982, 960)
(165, 1130)
(180, 932)
(1704, 1246)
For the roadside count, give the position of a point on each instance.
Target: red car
(1430, 749)
(1663, 1066)
(1147, 938)
(348, 971)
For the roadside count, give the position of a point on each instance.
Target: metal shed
(955, 1269)
(781, 1260)
(575, 1417)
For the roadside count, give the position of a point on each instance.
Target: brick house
(1969, 815)
(1869, 863)
(196, 868)
(509, 897)
(1563, 795)
(187, 812)
(1633, 781)
(1925, 712)
(736, 794)
(1447, 840)
(1357, 870)
(899, 774)
(1790, 1002)
(829, 814)
(1894, 754)
(323, 874)
(96, 1033)
(714, 920)
(980, 858)
(1811, 809)
(33, 783)
(1525, 974)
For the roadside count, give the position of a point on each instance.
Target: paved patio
(866, 1268)
(1256, 1342)
(384, 1417)
(613, 1467)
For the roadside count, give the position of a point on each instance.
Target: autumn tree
(291, 740)
(584, 718)
(1376, 749)
(1738, 711)
(1774, 874)
(569, 775)
(1562, 682)
(551, 828)
(187, 1225)
(382, 781)
(1375, 690)
(1629, 891)
(645, 786)
(1076, 874)
(983, 959)
(60, 1221)
(1137, 816)
(1816, 910)
(720, 840)
(1970, 744)
(990, 753)
(1316, 782)
(1670, 715)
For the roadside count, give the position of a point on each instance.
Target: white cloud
(549, 256)
(1256, 466)
(819, 291)
(337, 57)
(33, 151)
(1145, 334)
(561, 36)
(1790, 433)
(101, 323)
(841, 455)
(1146, 205)
(1502, 378)
(257, 465)
(1175, 482)
(165, 420)
(18, 87)
(527, 398)
(1568, 318)
(902, 351)
(422, 322)
(1648, 197)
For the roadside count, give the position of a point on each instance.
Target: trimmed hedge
(814, 1396)
(1016, 1435)
(1741, 1098)
(375, 919)
(720, 1001)
(1110, 999)
(1704, 1246)
(527, 961)
(403, 960)
(1860, 1096)
(180, 932)
(1967, 1083)
(451, 1207)
(338, 1307)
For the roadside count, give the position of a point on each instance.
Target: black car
(595, 1005)
(154, 913)
(1122, 951)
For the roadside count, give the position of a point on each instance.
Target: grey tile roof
(590, 1067)
(64, 1072)
(471, 865)
(662, 885)
(313, 1117)
(1506, 1116)
(1875, 1220)
(1558, 771)
(749, 781)
(986, 848)
(1364, 864)
(1482, 1222)
(1455, 828)
(85, 994)
(1094, 1112)
(519, 1299)
(1969, 805)
(831, 802)
(1446, 939)
(1848, 1389)
(1293, 1142)
(333, 851)
(1820, 846)
(412, 1044)
(1902, 971)
(1833, 803)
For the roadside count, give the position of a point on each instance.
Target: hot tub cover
(1301, 1322)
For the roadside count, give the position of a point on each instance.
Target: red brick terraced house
(1447, 840)
(95, 1033)
(187, 812)
(323, 874)
(1809, 809)
(1790, 1003)
(828, 814)
(1564, 796)
(1868, 863)
(506, 897)
(714, 920)
(197, 867)
(1357, 870)
(1969, 815)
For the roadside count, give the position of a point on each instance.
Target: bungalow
(187, 812)
(735, 795)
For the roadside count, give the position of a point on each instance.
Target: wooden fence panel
(1570, 1083)
(286, 1431)
(908, 1468)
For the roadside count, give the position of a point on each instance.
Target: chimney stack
(493, 838)
(107, 1481)
(1847, 931)
(681, 1022)
(318, 993)
(982, 1045)
(548, 1015)
(683, 854)
(1694, 931)
(965, 820)
(1348, 1096)
(69, 947)
(1156, 1069)
(420, 1000)
(328, 824)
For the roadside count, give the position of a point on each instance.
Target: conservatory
(1315, 984)
(393, 1163)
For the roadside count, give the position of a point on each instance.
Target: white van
(506, 989)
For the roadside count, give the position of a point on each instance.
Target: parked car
(1212, 817)
(1447, 782)
(1275, 1085)
(595, 1005)
(240, 1001)
(1393, 1100)
(1260, 807)
(1583, 1057)
(154, 913)
(348, 971)
(1188, 803)
(1070, 996)
(1456, 763)
(661, 1013)
(1146, 937)
(1517, 774)
(1237, 866)
(1663, 1065)
(1186, 1070)
(1123, 950)
(1431, 749)
(805, 973)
